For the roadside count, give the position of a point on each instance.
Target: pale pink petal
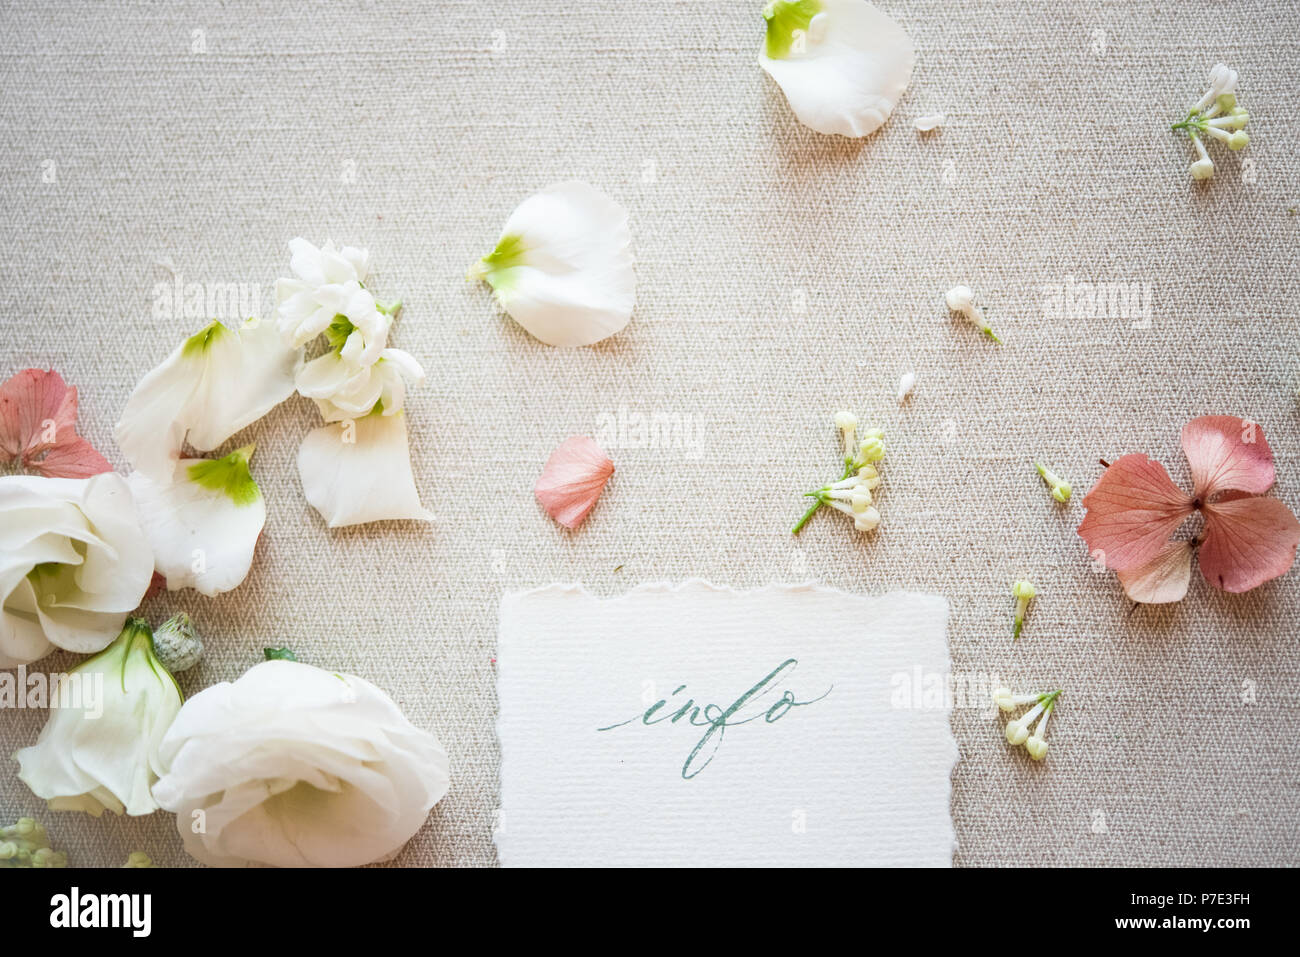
(1227, 453)
(73, 458)
(572, 480)
(38, 427)
(1163, 579)
(1248, 541)
(1132, 511)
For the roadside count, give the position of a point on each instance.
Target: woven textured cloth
(782, 275)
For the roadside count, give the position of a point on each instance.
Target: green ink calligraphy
(716, 720)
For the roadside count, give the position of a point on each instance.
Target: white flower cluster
(1216, 115)
(1018, 729)
(852, 494)
(328, 296)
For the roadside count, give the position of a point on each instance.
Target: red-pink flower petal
(1248, 541)
(38, 427)
(1132, 511)
(1163, 579)
(572, 480)
(1227, 453)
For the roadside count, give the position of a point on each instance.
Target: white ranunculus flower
(202, 526)
(359, 471)
(74, 562)
(842, 64)
(562, 268)
(215, 383)
(295, 766)
(99, 749)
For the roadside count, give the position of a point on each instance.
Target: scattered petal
(562, 268)
(1163, 579)
(572, 480)
(204, 525)
(905, 386)
(1132, 511)
(359, 470)
(1227, 453)
(929, 122)
(842, 64)
(1248, 541)
(215, 383)
(38, 427)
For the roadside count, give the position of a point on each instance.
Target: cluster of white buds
(1216, 115)
(26, 844)
(853, 493)
(1018, 729)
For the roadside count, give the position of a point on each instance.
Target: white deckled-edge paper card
(693, 725)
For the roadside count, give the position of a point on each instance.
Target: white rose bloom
(295, 766)
(74, 562)
(99, 748)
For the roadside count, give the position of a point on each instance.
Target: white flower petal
(563, 266)
(214, 384)
(204, 525)
(849, 81)
(359, 471)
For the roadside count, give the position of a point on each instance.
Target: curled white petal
(74, 562)
(848, 81)
(214, 384)
(931, 121)
(295, 766)
(562, 268)
(359, 470)
(99, 749)
(905, 385)
(204, 525)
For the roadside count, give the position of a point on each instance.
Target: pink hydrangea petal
(1227, 453)
(572, 480)
(75, 458)
(29, 402)
(1132, 511)
(38, 427)
(1163, 579)
(1248, 541)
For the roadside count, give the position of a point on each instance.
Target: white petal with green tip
(843, 64)
(359, 471)
(212, 385)
(204, 525)
(562, 268)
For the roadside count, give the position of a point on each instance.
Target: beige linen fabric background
(782, 275)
